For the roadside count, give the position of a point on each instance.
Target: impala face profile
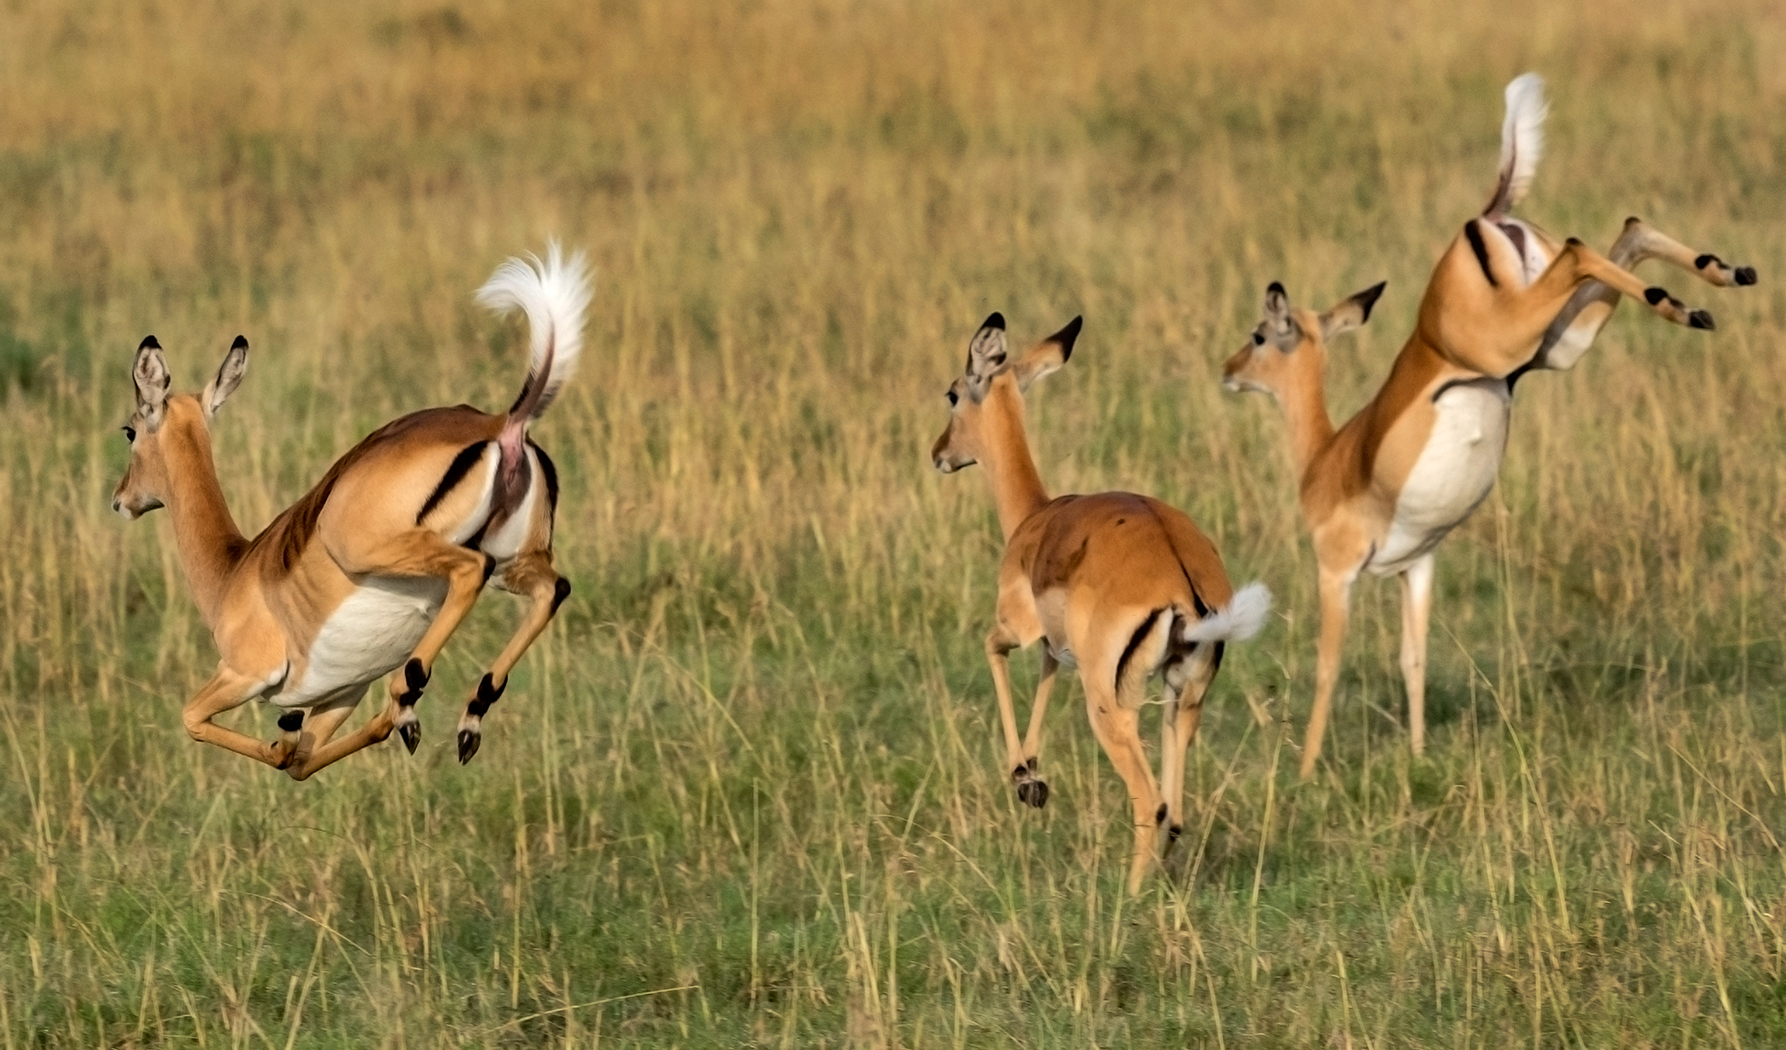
(1381, 491)
(375, 567)
(1120, 586)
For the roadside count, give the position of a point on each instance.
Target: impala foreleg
(318, 747)
(1336, 591)
(226, 691)
(1417, 601)
(531, 575)
(999, 644)
(1591, 306)
(1186, 685)
(1118, 729)
(1031, 788)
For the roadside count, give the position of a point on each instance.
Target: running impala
(1118, 585)
(374, 568)
(1382, 491)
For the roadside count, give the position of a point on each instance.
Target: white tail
(555, 295)
(1522, 143)
(1243, 617)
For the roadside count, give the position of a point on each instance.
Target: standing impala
(1119, 585)
(1382, 491)
(374, 568)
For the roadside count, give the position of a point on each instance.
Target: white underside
(1453, 475)
(505, 542)
(368, 636)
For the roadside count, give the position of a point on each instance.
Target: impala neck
(1016, 486)
(1305, 408)
(210, 545)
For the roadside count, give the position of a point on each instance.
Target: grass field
(747, 791)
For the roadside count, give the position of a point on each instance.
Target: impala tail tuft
(1522, 143)
(555, 294)
(1242, 618)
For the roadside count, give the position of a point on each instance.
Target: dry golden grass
(747, 790)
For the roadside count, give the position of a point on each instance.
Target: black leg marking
(1745, 275)
(1701, 319)
(560, 591)
(488, 693)
(1160, 817)
(1655, 295)
(415, 679)
(1481, 250)
(291, 721)
(1705, 260)
(489, 567)
(1172, 834)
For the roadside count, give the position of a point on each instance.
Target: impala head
(1289, 340)
(162, 419)
(991, 375)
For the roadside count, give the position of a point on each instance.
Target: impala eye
(953, 397)
(130, 434)
(1258, 338)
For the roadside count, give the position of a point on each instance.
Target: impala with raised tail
(1119, 585)
(374, 568)
(1380, 492)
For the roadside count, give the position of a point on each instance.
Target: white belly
(368, 636)
(1453, 475)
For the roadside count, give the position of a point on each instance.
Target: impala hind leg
(1186, 685)
(419, 553)
(530, 575)
(1118, 729)
(1417, 602)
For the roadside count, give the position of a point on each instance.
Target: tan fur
(1086, 573)
(1472, 336)
(267, 600)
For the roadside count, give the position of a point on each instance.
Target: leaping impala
(374, 568)
(1382, 491)
(1121, 586)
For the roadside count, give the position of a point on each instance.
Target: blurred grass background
(747, 791)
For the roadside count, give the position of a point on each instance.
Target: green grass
(747, 790)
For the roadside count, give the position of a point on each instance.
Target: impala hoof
(1701, 319)
(1033, 793)
(411, 732)
(469, 740)
(1745, 275)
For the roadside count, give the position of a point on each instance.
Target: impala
(1380, 493)
(1118, 585)
(375, 567)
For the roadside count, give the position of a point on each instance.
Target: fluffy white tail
(1522, 143)
(555, 295)
(1241, 619)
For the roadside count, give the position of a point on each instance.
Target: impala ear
(149, 373)
(986, 352)
(1280, 325)
(229, 376)
(1049, 354)
(1350, 312)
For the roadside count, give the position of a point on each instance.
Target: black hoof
(1172, 834)
(468, 744)
(1033, 793)
(291, 721)
(1701, 319)
(411, 734)
(1745, 275)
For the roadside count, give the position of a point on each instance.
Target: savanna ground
(748, 791)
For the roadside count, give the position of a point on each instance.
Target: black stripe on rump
(551, 473)
(1481, 250)
(462, 463)
(1135, 643)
